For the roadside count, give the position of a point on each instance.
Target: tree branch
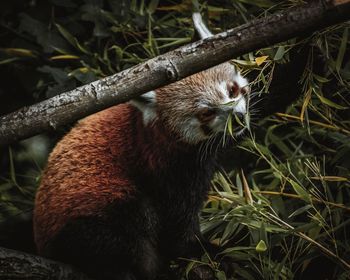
(172, 66)
(18, 265)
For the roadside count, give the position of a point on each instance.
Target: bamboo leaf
(280, 53)
(261, 59)
(300, 211)
(229, 125)
(64, 57)
(300, 191)
(18, 52)
(330, 103)
(9, 60)
(220, 275)
(305, 104)
(71, 39)
(152, 6)
(342, 49)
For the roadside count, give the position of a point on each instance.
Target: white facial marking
(149, 116)
(239, 102)
(240, 106)
(200, 26)
(191, 131)
(151, 95)
(217, 124)
(242, 82)
(147, 107)
(223, 88)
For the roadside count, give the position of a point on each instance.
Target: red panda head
(197, 107)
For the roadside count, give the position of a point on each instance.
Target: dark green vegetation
(280, 207)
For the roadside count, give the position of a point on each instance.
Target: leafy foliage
(289, 204)
(280, 212)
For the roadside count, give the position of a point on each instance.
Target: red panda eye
(206, 115)
(233, 90)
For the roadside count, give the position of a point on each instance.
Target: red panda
(121, 192)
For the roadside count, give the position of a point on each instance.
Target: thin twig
(290, 195)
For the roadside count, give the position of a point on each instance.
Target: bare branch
(172, 66)
(18, 265)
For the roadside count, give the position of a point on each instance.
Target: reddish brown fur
(93, 165)
(122, 190)
(85, 159)
(93, 158)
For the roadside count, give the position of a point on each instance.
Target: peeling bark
(170, 67)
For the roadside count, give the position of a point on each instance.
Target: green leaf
(280, 53)
(330, 103)
(238, 120)
(261, 247)
(300, 211)
(71, 39)
(320, 78)
(152, 6)
(9, 60)
(220, 275)
(229, 125)
(12, 167)
(189, 267)
(230, 229)
(279, 268)
(18, 52)
(300, 191)
(342, 49)
(64, 57)
(236, 249)
(224, 183)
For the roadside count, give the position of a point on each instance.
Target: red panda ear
(146, 103)
(200, 27)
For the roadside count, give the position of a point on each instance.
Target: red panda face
(198, 106)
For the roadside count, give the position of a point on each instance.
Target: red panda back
(122, 191)
(85, 171)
